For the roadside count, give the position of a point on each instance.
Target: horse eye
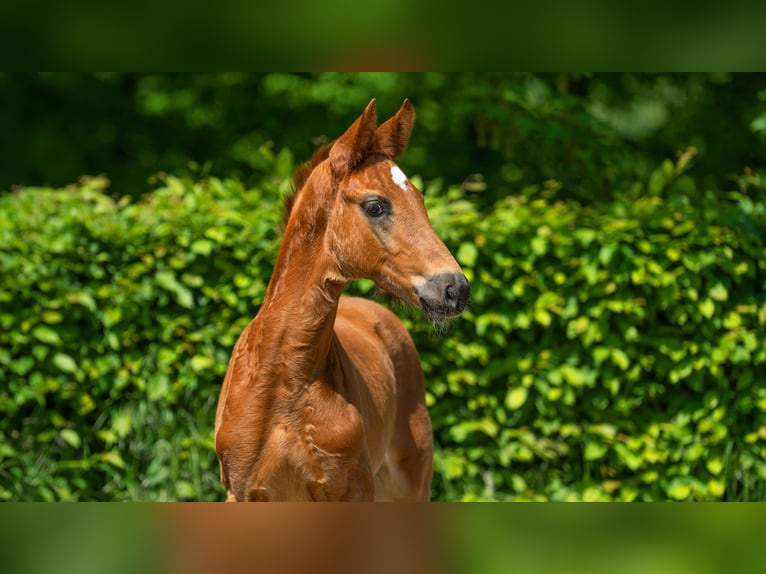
(375, 208)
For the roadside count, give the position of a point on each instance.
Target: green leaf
(242, 281)
(158, 387)
(202, 246)
(679, 490)
(606, 252)
(631, 460)
(759, 123)
(201, 362)
(461, 430)
(114, 458)
(707, 308)
(452, 466)
(716, 488)
(217, 235)
(46, 335)
(71, 437)
(539, 245)
(714, 465)
(184, 297)
(601, 354)
(22, 365)
(543, 317)
(718, 292)
(733, 320)
(185, 489)
(595, 450)
(577, 327)
(467, 254)
(515, 398)
(167, 280)
(65, 362)
(621, 359)
(52, 317)
(121, 423)
(604, 430)
(84, 299)
(573, 375)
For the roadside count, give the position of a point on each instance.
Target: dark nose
(444, 295)
(457, 291)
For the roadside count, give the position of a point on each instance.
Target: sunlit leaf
(718, 292)
(467, 254)
(121, 423)
(202, 246)
(516, 397)
(714, 465)
(707, 308)
(573, 375)
(71, 437)
(620, 359)
(200, 362)
(114, 458)
(46, 335)
(52, 317)
(65, 362)
(595, 450)
(679, 490)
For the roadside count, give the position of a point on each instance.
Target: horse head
(376, 222)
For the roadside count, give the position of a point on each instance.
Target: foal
(324, 396)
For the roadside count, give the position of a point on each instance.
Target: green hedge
(611, 354)
(608, 354)
(117, 323)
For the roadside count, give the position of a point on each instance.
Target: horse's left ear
(356, 144)
(392, 137)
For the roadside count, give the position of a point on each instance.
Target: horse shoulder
(384, 368)
(363, 315)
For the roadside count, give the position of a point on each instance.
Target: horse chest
(319, 453)
(330, 425)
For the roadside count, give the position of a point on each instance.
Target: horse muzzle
(443, 296)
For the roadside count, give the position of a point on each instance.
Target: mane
(301, 175)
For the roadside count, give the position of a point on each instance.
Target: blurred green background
(612, 227)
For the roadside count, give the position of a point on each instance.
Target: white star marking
(398, 177)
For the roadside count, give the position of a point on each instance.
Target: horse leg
(407, 469)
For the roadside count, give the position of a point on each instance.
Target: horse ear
(356, 144)
(392, 137)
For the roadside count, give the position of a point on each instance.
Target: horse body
(324, 398)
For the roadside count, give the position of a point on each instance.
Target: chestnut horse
(324, 397)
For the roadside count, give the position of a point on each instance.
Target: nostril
(462, 291)
(443, 295)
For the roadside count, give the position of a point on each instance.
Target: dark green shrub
(596, 133)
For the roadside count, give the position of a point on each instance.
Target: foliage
(594, 133)
(610, 351)
(609, 354)
(117, 321)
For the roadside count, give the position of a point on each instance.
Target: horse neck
(298, 313)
